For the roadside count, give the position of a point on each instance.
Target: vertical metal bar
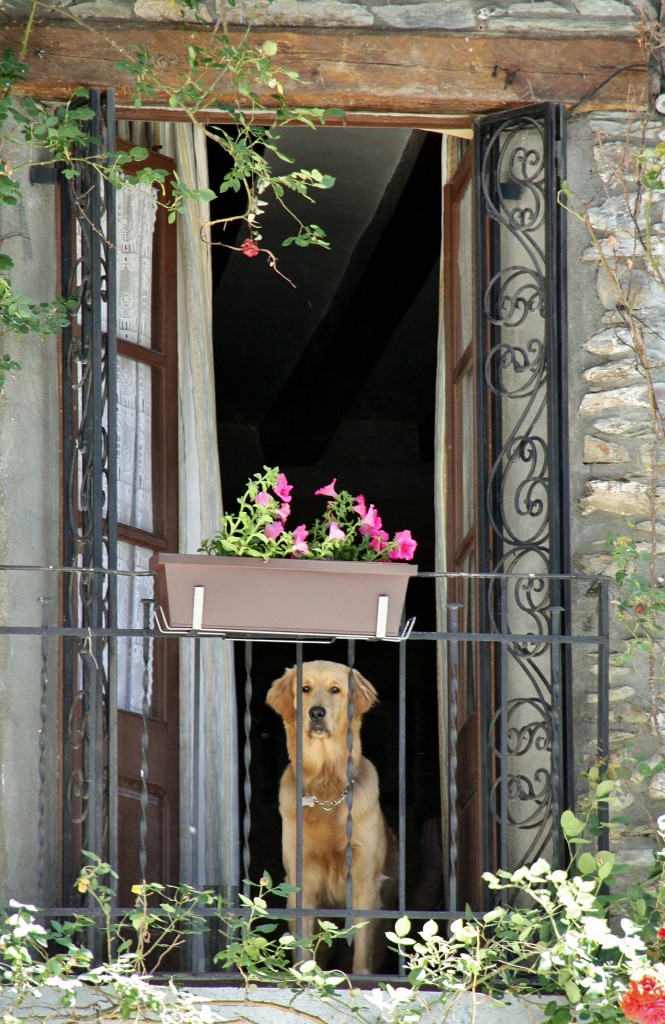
(453, 691)
(145, 718)
(97, 808)
(502, 718)
(110, 440)
(603, 700)
(43, 712)
(247, 757)
(299, 787)
(401, 742)
(556, 783)
(67, 273)
(196, 781)
(196, 945)
(556, 342)
(487, 683)
(401, 776)
(557, 277)
(351, 658)
(89, 523)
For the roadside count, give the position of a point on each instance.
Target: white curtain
(136, 209)
(209, 847)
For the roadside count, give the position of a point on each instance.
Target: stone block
(632, 715)
(615, 341)
(164, 10)
(615, 214)
(635, 398)
(302, 14)
(457, 15)
(613, 375)
(621, 498)
(597, 450)
(614, 425)
(627, 286)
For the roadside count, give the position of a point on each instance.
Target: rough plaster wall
(29, 514)
(611, 428)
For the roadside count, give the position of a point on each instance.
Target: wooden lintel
(418, 72)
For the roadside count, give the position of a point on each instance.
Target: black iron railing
(423, 744)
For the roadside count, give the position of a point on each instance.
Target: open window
(368, 364)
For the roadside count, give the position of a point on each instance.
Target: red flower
(250, 248)
(639, 609)
(644, 1000)
(661, 933)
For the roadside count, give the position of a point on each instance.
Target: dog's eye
(306, 689)
(334, 689)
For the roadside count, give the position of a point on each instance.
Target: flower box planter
(213, 594)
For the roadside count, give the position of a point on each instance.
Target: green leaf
(587, 863)
(571, 825)
(572, 991)
(269, 48)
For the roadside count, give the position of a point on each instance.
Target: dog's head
(325, 697)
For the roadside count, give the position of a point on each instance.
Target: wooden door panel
(149, 381)
(462, 512)
(159, 839)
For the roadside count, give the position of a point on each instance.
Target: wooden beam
(410, 72)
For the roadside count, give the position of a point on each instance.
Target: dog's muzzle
(317, 719)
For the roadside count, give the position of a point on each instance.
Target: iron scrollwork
(89, 529)
(519, 335)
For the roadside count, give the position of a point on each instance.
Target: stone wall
(618, 483)
(594, 17)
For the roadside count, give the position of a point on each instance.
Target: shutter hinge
(45, 174)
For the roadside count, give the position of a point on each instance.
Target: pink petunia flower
(371, 522)
(334, 532)
(406, 546)
(360, 508)
(300, 535)
(283, 488)
(273, 530)
(262, 498)
(329, 490)
(284, 511)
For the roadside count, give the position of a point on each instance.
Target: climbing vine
(240, 80)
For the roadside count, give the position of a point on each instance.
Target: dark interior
(333, 374)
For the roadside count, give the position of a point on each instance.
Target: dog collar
(327, 805)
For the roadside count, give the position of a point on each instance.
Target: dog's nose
(317, 713)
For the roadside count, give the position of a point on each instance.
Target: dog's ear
(280, 696)
(364, 694)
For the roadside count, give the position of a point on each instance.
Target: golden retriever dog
(325, 702)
